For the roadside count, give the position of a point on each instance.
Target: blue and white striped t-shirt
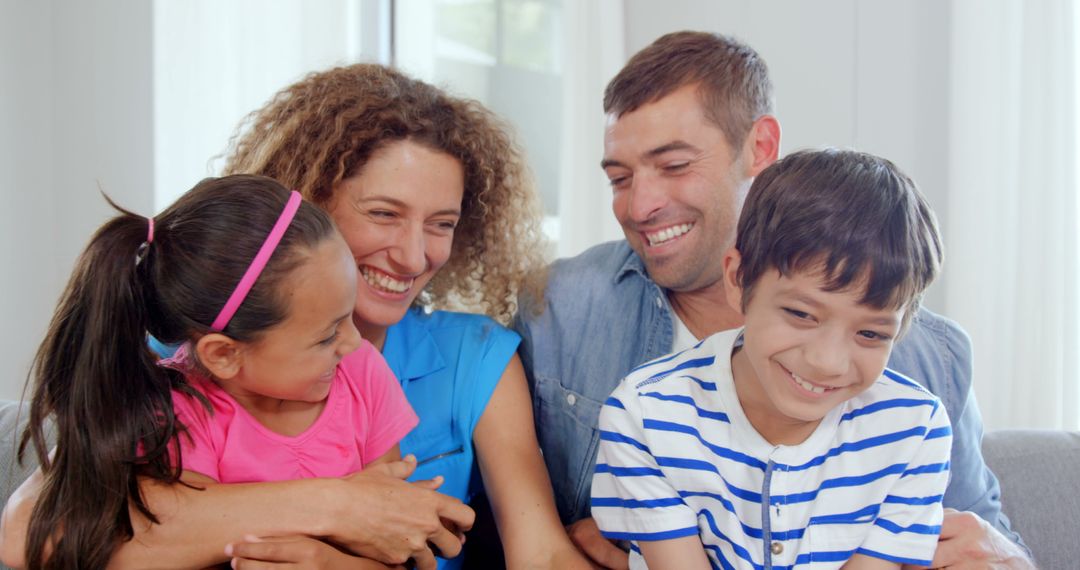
(678, 457)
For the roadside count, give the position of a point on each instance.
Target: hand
(299, 552)
(968, 542)
(388, 519)
(603, 553)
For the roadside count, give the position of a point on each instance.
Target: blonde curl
(324, 128)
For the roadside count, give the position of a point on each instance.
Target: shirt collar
(410, 350)
(633, 264)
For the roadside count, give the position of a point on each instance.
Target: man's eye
(618, 181)
(676, 166)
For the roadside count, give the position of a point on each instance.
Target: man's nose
(647, 197)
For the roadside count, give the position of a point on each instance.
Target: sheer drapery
(594, 52)
(1012, 271)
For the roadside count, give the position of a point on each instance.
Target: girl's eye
(329, 340)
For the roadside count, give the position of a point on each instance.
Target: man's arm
(936, 352)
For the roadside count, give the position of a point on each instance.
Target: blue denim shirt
(603, 315)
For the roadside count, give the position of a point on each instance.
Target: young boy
(787, 442)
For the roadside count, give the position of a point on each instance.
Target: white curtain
(594, 51)
(1011, 217)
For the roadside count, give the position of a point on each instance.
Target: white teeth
(808, 386)
(668, 234)
(383, 281)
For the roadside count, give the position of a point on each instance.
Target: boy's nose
(828, 356)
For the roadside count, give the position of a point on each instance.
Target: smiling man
(689, 126)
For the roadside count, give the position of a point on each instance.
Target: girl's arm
(16, 520)
(685, 552)
(516, 479)
(374, 513)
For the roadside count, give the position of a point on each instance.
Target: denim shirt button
(659, 303)
(571, 399)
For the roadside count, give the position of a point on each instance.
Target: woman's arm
(374, 513)
(682, 553)
(516, 479)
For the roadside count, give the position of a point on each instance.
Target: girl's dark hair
(96, 377)
(855, 214)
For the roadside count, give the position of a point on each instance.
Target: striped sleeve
(907, 527)
(631, 497)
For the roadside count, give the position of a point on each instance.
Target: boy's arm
(677, 553)
(909, 520)
(632, 499)
(864, 562)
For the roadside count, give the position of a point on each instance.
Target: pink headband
(257, 264)
(149, 230)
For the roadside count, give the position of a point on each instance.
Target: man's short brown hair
(732, 78)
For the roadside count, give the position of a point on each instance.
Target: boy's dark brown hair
(95, 376)
(732, 79)
(854, 214)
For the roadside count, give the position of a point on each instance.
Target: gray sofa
(1039, 473)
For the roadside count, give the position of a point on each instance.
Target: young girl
(273, 381)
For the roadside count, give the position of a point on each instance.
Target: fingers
(425, 560)
(446, 543)
(457, 513)
(430, 484)
(397, 469)
(585, 535)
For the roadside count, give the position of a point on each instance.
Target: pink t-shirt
(365, 415)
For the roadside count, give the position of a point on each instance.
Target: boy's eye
(873, 335)
(797, 313)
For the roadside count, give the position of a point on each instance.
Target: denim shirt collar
(633, 264)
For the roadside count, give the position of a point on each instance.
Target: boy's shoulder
(897, 393)
(698, 366)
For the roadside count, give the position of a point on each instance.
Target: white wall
(75, 116)
(847, 73)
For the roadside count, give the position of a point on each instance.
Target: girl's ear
(220, 355)
(732, 289)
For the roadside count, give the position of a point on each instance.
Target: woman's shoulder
(452, 322)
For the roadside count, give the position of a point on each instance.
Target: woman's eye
(382, 213)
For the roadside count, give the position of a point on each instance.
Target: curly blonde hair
(324, 128)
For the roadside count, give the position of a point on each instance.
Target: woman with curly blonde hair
(434, 202)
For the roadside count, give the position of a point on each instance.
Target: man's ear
(732, 290)
(763, 144)
(220, 355)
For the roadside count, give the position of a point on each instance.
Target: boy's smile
(806, 351)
